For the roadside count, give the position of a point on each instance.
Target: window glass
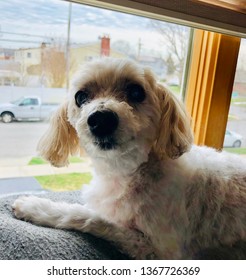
(26, 102)
(42, 44)
(235, 136)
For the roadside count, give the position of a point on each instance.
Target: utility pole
(68, 46)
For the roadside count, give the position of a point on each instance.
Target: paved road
(238, 125)
(19, 139)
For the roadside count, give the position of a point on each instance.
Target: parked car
(232, 139)
(26, 108)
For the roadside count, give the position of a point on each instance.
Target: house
(81, 53)
(9, 69)
(157, 64)
(46, 63)
(6, 54)
(27, 57)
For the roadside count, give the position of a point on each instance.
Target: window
(210, 84)
(44, 54)
(26, 102)
(235, 137)
(29, 102)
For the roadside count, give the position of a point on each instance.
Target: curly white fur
(155, 195)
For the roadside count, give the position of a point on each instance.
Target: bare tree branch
(54, 65)
(175, 37)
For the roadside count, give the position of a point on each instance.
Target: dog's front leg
(46, 212)
(76, 216)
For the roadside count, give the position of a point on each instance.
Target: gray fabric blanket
(22, 240)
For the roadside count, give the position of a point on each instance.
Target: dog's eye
(81, 97)
(135, 93)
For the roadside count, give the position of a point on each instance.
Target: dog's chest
(112, 200)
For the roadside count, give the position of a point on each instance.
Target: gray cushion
(23, 240)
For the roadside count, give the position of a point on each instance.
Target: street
(239, 124)
(19, 140)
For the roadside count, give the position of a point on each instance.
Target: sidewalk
(16, 177)
(42, 169)
(22, 170)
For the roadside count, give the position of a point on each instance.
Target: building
(7, 54)
(42, 65)
(82, 53)
(9, 69)
(29, 56)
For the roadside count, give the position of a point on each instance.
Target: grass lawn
(232, 118)
(64, 182)
(38, 160)
(174, 89)
(239, 101)
(239, 151)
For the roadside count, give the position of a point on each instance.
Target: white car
(232, 139)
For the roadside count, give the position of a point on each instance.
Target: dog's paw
(21, 207)
(29, 208)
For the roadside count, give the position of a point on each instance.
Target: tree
(123, 47)
(13, 73)
(175, 38)
(53, 64)
(171, 67)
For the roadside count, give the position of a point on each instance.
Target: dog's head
(117, 110)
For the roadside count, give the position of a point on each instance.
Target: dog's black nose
(103, 123)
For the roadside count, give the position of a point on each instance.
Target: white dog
(154, 194)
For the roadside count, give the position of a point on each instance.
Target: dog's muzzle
(102, 125)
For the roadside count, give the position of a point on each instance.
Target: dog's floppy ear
(174, 136)
(60, 140)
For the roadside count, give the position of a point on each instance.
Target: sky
(45, 19)
(49, 18)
